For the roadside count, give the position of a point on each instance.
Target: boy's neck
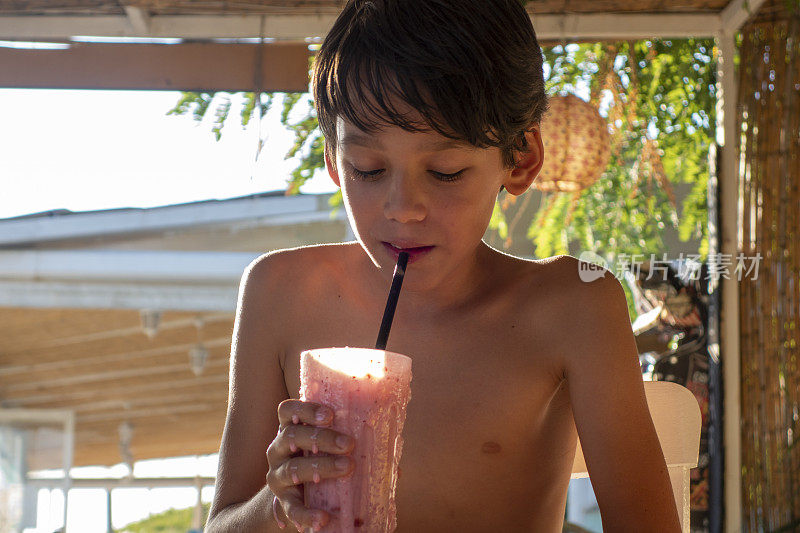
(459, 288)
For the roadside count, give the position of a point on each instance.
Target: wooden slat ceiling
(253, 7)
(100, 364)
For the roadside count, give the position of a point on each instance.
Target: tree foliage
(170, 521)
(661, 119)
(659, 96)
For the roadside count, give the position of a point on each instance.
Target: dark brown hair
(471, 68)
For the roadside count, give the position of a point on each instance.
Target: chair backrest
(676, 417)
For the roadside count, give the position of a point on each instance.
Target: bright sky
(85, 150)
(88, 510)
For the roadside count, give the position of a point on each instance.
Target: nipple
(491, 447)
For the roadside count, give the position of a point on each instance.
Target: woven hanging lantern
(577, 145)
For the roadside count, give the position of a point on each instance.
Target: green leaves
(498, 221)
(194, 103)
(659, 98)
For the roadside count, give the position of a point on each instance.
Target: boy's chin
(379, 258)
(384, 261)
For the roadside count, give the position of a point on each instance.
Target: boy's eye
(371, 175)
(368, 175)
(449, 177)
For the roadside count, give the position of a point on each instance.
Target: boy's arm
(623, 455)
(242, 501)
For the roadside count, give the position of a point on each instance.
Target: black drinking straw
(391, 303)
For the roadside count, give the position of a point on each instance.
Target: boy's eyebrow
(368, 141)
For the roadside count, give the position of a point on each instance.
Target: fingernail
(315, 466)
(292, 446)
(275, 505)
(342, 441)
(295, 479)
(314, 447)
(322, 414)
(342, 463)
(295, 419)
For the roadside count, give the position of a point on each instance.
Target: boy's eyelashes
(371, 175)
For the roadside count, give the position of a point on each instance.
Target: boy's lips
(415, 251)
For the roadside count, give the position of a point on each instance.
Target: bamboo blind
(769, 190)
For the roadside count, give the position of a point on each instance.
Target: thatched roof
(244, 7)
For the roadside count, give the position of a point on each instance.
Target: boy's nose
(404, 201)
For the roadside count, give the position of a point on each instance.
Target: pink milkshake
(368, 391)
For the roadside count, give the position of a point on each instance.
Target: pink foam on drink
(368, 391)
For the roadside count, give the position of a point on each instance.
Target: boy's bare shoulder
(282, 268)
(573, 277)
(556, 276)
(564, 292)
(585, 300)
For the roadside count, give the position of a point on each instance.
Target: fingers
(302, 427)
(312, 469)
(293, 411)
(314, 439)
(291, 501)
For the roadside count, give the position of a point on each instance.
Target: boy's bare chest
(469, 364)
(485, 395)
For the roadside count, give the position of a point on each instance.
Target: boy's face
(421, 191)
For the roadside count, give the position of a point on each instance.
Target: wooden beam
(728, 349)
(89, 393)
(112, 375)
(737, 12)
(623, 26)
(311, 28)
(108, 454)
(164, 325)
(292, 28)
(139, 19)
(122, 483)
(121, 406)
(88, 295)
(131, 414)
(65, 366)
(167, 67)
(134, 344)
(203, 422)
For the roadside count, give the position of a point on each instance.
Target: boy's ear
(332, 172)
(528, 166)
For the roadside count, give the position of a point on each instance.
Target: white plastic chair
(676, 417)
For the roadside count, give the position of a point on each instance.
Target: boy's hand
(300, 429)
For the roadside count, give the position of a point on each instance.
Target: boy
(429, 108)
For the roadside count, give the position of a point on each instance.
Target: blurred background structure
(118, 323)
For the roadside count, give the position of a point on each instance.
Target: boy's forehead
(366, 105)
(349, 135)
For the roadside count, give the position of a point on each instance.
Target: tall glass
(368, 391)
